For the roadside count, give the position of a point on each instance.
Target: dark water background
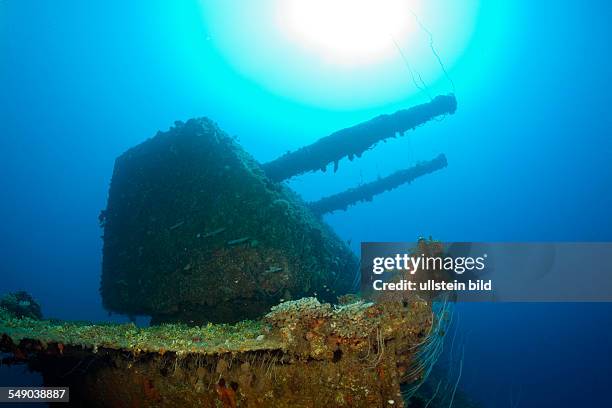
(529, 155)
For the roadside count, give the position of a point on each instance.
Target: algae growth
(178, 338)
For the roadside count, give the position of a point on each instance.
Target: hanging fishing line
(423, 87)
(433, 49)
(414, 73)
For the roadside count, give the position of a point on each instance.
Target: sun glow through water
(347, 31)
(342, 54)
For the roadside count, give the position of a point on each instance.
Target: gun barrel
(366, 192)
(353, 141)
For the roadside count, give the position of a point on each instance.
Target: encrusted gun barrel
(355, 140)
(366, 192)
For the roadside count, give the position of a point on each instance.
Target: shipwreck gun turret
(197, 230)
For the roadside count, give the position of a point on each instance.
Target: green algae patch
(177, 338)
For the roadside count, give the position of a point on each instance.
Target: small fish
(211, 233)
(238, 241)
(175, 226)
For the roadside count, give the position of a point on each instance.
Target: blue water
(529, 160)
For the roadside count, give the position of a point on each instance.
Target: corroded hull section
(303, 354)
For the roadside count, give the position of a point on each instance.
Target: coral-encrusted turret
(196, 230)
